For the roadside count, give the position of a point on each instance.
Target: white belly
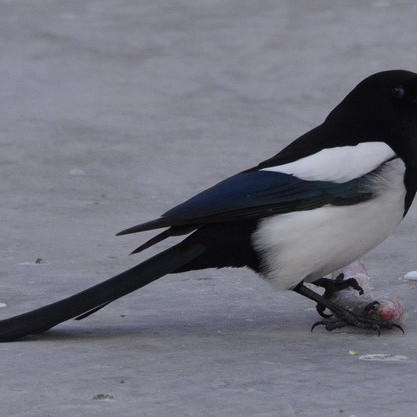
(307, 245)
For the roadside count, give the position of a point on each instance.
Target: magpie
(322, 202)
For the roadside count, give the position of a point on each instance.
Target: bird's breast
(306, 245)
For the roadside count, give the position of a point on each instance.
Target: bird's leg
(332, 286)
(346, 317)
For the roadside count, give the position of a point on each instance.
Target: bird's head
(386, 97)
(385, 104)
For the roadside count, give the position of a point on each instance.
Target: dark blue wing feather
(256, 194)
(261, 193)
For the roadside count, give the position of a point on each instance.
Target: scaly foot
(332, 286)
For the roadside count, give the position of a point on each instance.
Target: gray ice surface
(111, 112)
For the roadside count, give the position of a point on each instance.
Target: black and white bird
(319, 204)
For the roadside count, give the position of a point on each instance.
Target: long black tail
(94, 298)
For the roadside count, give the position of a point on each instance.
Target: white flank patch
(307, 245)
(339, 164)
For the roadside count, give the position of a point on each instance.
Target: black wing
(253, 195)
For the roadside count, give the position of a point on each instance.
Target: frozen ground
(113, 111)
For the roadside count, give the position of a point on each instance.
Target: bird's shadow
(169, 328)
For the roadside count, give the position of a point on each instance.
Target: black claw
(320, 309)
(342, 284)
(397, 326)
(329, 325)
(371, 306)
(317, 323)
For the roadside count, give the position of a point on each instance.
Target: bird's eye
(398, 92)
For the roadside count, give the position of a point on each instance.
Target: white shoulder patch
(339, 164)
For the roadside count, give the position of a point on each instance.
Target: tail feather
(90, 312)
(153, 224)
(92, 299)
(172, 231)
